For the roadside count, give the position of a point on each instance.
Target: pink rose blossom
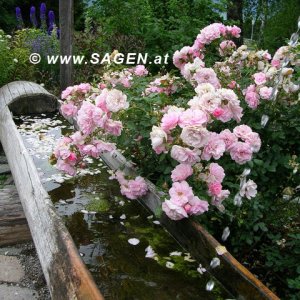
(252, 99)
(181, 172)
(215, 188)
(77, 138)
(67, 92)
(84, 88)
(197, 206)
(241, 152)
(194, 136)
(173, 211)
(228, 137)
(185, 155)
(218, 112)
(192, 117)
(113, 127)
(265, 92)
(69, 109)
(65, 167)
(232, 84)
(215, 147)
(216, 173)
(180, 58)
(234, 31)
(158, 139)
(242, 131)
(254, 141)
(170, 120)
(217, 200)
(100, 100)
(140, 70)
(89, 117)
(260, 78)
(137, 188)
(116, 101)
(181, 193)
(207, 75)
(275, 63)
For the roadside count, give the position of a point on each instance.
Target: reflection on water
(120, 269)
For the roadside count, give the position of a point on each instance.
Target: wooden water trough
(66, 275)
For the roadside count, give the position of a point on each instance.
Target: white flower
(158, 137)
(123, 217)
(175, 253)
(150, 252)
(201, 270)
(116, 100)
(188, 258)
(169, 265)
(15, 60)
(249, 189)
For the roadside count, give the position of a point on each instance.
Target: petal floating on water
(133, 241)
(215, 262)
(226, 233)
(210, 285)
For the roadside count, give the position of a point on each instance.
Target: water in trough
(113, 234)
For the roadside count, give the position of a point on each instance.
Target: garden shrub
(182, 133)
(13, 60)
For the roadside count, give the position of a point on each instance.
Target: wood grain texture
(25, 97)
(66, 275)
(13, 223)
(66, 26)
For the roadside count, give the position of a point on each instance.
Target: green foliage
(155, 27)
(275, 21)
(38, 41)
(13, 61)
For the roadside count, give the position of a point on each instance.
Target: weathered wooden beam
(66, 25)
(25, 97)
(66, 275)
(13, 224)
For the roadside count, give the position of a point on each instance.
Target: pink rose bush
(95, 111)
(192, 133)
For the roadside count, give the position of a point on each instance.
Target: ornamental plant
(184, 133)
(199, 133)
(191, 134)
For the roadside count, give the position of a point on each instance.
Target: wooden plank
(27, 98)
(66, 275)
(13, 224)
(66, 25)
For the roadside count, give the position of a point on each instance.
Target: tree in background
(235, 14)
(274, 21)
(153, 26)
